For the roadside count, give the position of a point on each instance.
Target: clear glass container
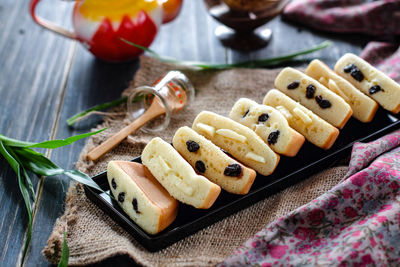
(173, 90)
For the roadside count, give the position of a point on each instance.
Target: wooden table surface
(45, 79)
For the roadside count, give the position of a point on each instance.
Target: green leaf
(281, 59)
(52, 144)
(111, 104)
(260, 62)
(7, 141)
(28, 181)
(64, 253)
(37, 162)
(103, 106)
(152, 52)
(246, 64)
(24, 186)
(9, 155)
(13, 162)
(82, 178)
(29, 184)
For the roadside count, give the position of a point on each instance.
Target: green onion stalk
(259, 63)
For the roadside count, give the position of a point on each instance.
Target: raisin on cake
(210, 161)
(314, 129)
(177, 176)
(269, 124)
(238, 140)
(364, 108)
(314, 96)
(370, 81)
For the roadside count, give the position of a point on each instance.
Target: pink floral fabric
(347, 16)
(379, 18)
(357, 223)
(385, 57)
(362, 154)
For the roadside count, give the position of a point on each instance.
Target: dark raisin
(192, 146)
(354, 71)
(113, 183)
(135, 206)
(293, 85)
(245, 114)
(200, 167)
(310, 91)
(233, 170)
(121, 197)
(263, 117)
(323, 103)
(357, 74)
(273, 137)
(348, 68)
(374, 89)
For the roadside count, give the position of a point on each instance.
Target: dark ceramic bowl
(242, 34)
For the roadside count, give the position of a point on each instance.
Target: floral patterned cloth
(357, 223)
(379, 18)
(385, 57)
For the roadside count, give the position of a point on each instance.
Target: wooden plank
(34, 64)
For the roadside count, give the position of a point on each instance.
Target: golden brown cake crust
(211, 197)
(295, 144)
(331, 140)
(345, 120)
(167, 217)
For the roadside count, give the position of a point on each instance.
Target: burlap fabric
(92, 236)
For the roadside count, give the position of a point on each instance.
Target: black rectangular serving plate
(309, 160)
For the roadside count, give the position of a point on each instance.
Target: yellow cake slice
(139, 194)
(238, 140)
(314, 129)
(314, 96)
(370, 81)
(364, 108)
(177, 176)
(269, 124)
(212, 162)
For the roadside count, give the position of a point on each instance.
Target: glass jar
(173, 90)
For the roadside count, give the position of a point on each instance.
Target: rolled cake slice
(212, 162)
(370, 81)
(314, 96)
(364, 108)
(139, 194)
(238, 140)
(269, 124)
(177, 176)
(314, 129)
